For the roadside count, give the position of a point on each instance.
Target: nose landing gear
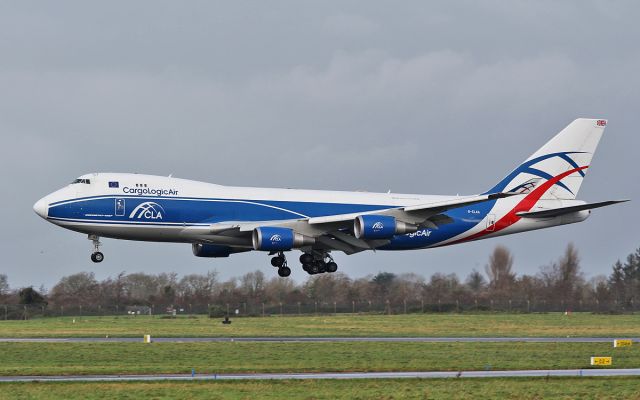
(96, 256)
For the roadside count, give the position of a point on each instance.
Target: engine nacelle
(380, 227)
(212, 250)
(279, 239)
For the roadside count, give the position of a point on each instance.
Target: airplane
(222, 220)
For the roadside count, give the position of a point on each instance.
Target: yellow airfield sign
(601, 361)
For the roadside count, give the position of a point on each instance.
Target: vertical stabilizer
(570, 150)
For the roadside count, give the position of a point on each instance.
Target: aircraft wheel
(321, 266)
(97, 257)
(306, 258)
(332, 267)
(284, 271)
(277, 261)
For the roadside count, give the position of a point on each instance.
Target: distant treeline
(559, 286)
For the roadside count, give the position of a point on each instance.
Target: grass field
(456, 325)
(516, 388)
(230, 357)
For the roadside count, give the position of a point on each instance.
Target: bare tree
(80, 288)
(499, 270)
(328, 287)
(563, 280)
(282, 290)
(199, 288)
(4, 285)
(476, 282)
(252, 286)
(141, 287)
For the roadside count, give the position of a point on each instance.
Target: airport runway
(329, 375)
(322, 339)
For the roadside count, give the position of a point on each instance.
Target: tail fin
(570, 150)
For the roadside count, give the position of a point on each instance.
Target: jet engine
(380, 227)
(213, 250)
(278, 239)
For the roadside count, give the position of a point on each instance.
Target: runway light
(147, 338)
(600, 361)
(622, 343)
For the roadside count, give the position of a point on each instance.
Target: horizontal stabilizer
(556, 212)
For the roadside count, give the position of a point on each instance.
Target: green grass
(530, 325)
(516, 388)
(237, 357)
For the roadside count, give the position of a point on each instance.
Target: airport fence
(259, 309)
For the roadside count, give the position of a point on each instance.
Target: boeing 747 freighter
(222, 220)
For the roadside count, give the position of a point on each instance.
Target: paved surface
(346, 375)
(325, 339)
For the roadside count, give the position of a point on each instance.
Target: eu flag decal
(114, 184)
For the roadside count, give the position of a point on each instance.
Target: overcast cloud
(439, 98)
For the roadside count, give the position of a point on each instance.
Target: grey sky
(438, 98)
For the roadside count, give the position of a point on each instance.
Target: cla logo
(378, 226)
(147, 210)
(275, 238)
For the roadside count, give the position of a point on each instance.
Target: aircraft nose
(41, 207)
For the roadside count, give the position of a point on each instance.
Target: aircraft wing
(418, 214)
(334, 232)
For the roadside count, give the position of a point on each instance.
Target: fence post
(335, 308)
(476, 301)
(457, 305)
(263, 309)
(280, 308)
(388, 307)
(25, 312)
(80, 310)
(405, 305)
(422, 306)
(509, 305)
(299, 313)
(227, 309)
(315, 304)
(62, 311)
(439, 309)
(353, 306)
(528, 306)
(6, 313)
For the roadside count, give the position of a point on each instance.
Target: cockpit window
(85, 181)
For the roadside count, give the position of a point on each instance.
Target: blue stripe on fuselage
(192, 211)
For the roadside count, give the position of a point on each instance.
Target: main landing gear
(280, 262)
(318, 263)
(96, 256)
